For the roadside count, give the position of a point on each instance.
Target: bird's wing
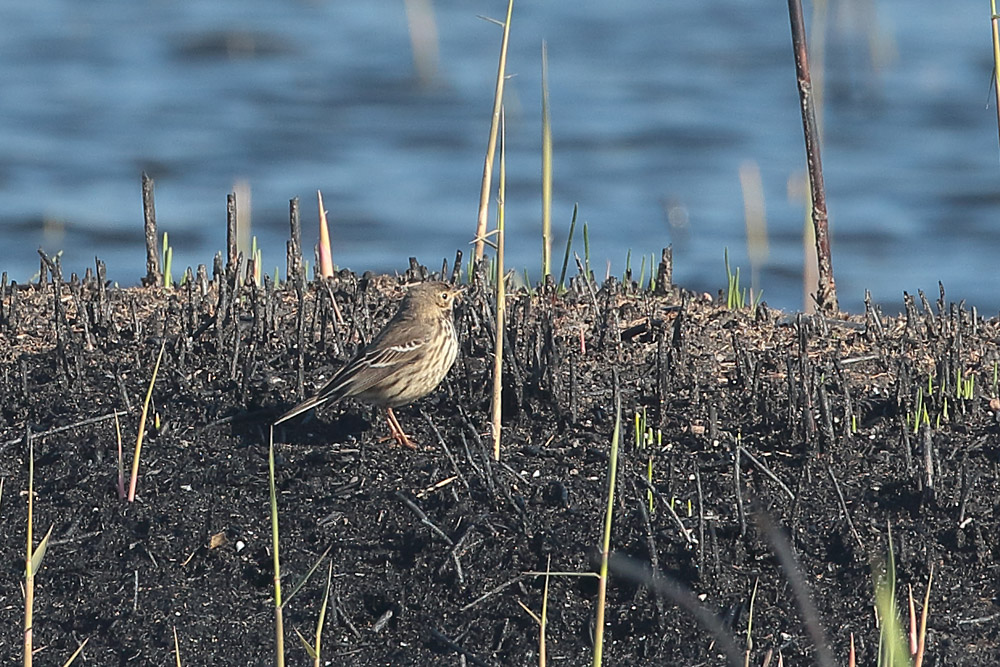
(370, 367)
(392, 348)
(374, 364)
(392, 356)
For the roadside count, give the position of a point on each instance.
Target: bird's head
(433, 296)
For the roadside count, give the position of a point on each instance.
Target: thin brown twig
(67, 427)
(826, 291)
(843, 506)
(767, 471)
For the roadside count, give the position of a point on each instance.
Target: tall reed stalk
(501, 298)
(484, 190)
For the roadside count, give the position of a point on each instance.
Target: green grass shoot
(602, 582)
(542, 620)
(921, 415)
(306, 578)
(315, 651)
(33, 561)
(134, 480)
(965, 386)
(736, 296)
(644, 436)
(649, 478)
(892, 650)
(892, 647)
(168, 259)
(279, 620)
(569, 247)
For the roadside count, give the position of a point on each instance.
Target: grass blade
(29, 577)
(602, 585)
(142, 425)
(36, 558)
(922, 638)
(305, 579)
(279, 620)
(569, 247)
(307, 646)
(77, 652)
(322, 616)
(177, 648)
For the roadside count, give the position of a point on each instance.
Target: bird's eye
(444, 296)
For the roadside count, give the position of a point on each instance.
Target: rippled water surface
(655, 107)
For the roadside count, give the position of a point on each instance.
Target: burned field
(839, 432)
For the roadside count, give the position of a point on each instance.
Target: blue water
(655, 105)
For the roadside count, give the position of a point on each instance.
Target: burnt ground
(806, 419)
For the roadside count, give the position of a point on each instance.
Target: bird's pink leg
(396, 431)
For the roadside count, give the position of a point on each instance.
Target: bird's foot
(400, 439)
(396, 432)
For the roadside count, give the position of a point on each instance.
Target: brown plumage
(406, 360)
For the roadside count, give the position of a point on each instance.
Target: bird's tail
(304, 406)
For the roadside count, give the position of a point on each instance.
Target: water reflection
(655, 106)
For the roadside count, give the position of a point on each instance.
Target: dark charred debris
(836, 431)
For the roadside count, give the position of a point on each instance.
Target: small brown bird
(407, 359)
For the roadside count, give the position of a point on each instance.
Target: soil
(760, 419)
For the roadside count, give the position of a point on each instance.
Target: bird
(405, 361)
